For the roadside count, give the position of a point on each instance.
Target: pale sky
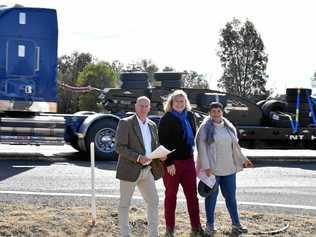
(184, 33)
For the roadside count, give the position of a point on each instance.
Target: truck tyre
(134, 76)
(171, 84)
(305, 121)
(169, 76)
(134, 84)
(205, 99)
(260, 103)
(102, 133)
(293, 98)
(273, 105)
(292, 107)
(293, 91)
(304, 113)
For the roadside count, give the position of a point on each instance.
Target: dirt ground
(42, 220)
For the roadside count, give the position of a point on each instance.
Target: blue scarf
(210, 129)
(188, 133)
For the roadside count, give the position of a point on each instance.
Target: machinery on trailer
(272, 123)
(28, 97)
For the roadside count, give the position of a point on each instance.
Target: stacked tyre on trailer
(134, 80)
(169, 80)
(298, 110)
(139, 80)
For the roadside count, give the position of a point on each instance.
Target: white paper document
(159, 152)
(209, 181)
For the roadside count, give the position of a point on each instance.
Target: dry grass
(30, 220)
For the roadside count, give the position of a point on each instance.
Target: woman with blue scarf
(176, 132)
(219, 154)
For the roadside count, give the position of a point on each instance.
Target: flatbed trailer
(28, 97)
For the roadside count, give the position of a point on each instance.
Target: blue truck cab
(28, 59)
(28, 88)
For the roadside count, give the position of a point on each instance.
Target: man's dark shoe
(169, 232)
(239, 229)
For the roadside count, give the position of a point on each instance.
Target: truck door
(21, 58)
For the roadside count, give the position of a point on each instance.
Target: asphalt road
(60, 176)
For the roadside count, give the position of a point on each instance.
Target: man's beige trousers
(146, 186)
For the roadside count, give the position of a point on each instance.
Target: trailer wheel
(102, 133)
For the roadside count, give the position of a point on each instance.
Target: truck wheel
(273, 105)
(102, 133)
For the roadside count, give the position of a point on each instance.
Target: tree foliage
(117, 66)
(168, 69)
(69, 68)
(194, 80)
(191, 79)
(100, 75)
(243, 59)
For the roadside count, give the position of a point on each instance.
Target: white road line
(25, 166)
(140, 198)
(278, 205)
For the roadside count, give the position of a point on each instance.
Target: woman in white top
(219, 154)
